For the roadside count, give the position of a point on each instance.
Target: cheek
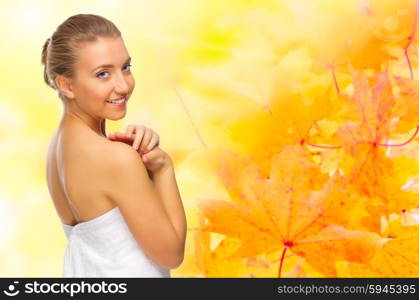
(132, 83)
(91, 92)
(98, 92)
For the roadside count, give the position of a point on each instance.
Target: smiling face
(102, 73)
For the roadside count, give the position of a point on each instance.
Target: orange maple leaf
(370, 116)
(397, 257)
(295, 208)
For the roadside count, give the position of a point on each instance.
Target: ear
(64, 85)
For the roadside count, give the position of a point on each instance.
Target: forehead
(104, 50)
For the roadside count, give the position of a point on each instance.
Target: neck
(96, 125)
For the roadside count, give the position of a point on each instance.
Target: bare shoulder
(100, 149)
(97, 154)
(123, 165)
(120, 155)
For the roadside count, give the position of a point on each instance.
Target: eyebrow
(109, 65)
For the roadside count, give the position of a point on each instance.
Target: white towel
(105, 247)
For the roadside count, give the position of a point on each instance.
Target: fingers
(149, 156)
(148, 133)
(121, 136)
(130, 130)
(139, 135)
(154, 141)
(116, 135)
(144, 138)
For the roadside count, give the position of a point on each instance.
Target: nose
(121, 84)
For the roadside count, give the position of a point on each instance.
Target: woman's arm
(164, 181)
(127, 183)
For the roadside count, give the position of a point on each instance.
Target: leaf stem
(332, 69)
(375, 144)
(402, 144)
(410, 40)
(409, 64)
(189, 116)
(324, 147)
(282, 261)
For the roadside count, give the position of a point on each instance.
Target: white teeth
(116, 102)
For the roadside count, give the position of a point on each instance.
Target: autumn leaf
(367, 113)
(393, 226)
(337, 243)
(397, 257)
(213, 258)
(292, 209)
(215, 264)
(274, 106)
(406, 108)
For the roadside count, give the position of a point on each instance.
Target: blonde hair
(59, 51)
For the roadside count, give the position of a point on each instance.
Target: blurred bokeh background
(250, 77)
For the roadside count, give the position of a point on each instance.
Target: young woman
(116, 195)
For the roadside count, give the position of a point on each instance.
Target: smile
(121, 101)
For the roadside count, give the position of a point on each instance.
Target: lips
(117, 98)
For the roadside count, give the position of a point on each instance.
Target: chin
(115, 118)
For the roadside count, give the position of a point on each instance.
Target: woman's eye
(99, 74)
(129, 66)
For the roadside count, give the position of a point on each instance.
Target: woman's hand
(146, 142)
(141, 138)
(156, 160)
